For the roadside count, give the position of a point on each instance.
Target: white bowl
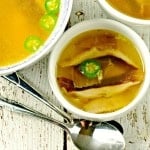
(90, 25)
(65, 11)
(119, 16)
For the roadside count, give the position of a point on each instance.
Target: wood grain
(23, 132)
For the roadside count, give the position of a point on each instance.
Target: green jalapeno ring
(52, 6)
(32, 43)
(90, 68)
(47, 22)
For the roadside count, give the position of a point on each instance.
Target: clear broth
(135, 8)
(19, 20)
(84, 42)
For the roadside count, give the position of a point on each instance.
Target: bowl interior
(118, 15)
(90, 25)
(65, 10)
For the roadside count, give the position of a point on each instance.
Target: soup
(100, 71)
(24, 26)
(135, 8)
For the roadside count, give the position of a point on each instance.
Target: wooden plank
(135, 123)
(22, 132)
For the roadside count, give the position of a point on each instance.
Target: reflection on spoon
(97, 136)
(86, 135)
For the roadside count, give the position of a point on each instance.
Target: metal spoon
(86, 135)
(16, 79)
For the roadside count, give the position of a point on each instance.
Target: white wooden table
(23, 132)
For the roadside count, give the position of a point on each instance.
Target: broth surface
(69, 76)
(19, 23)
(135, 8)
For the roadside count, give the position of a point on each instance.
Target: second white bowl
(91, 25)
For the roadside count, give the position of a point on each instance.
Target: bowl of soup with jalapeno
(99, 69)
(134, 12)
(28, 30)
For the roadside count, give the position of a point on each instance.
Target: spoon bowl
(88, 135)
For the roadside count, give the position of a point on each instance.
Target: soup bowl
(122, 16)
(65, 7)
(54, 74)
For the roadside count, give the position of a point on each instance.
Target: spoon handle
(16, 79)
(21, 108)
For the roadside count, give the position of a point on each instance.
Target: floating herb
(32, 43)
(52, 6)
(91, 68)
(47, 22)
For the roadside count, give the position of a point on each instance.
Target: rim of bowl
(65, 9)
(121, 16)
(89, 25)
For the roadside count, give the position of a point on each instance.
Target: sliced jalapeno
(47, 22)
(90, 68)
(52, 6)
(32, 43)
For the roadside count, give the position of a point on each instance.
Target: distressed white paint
(22, 132)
